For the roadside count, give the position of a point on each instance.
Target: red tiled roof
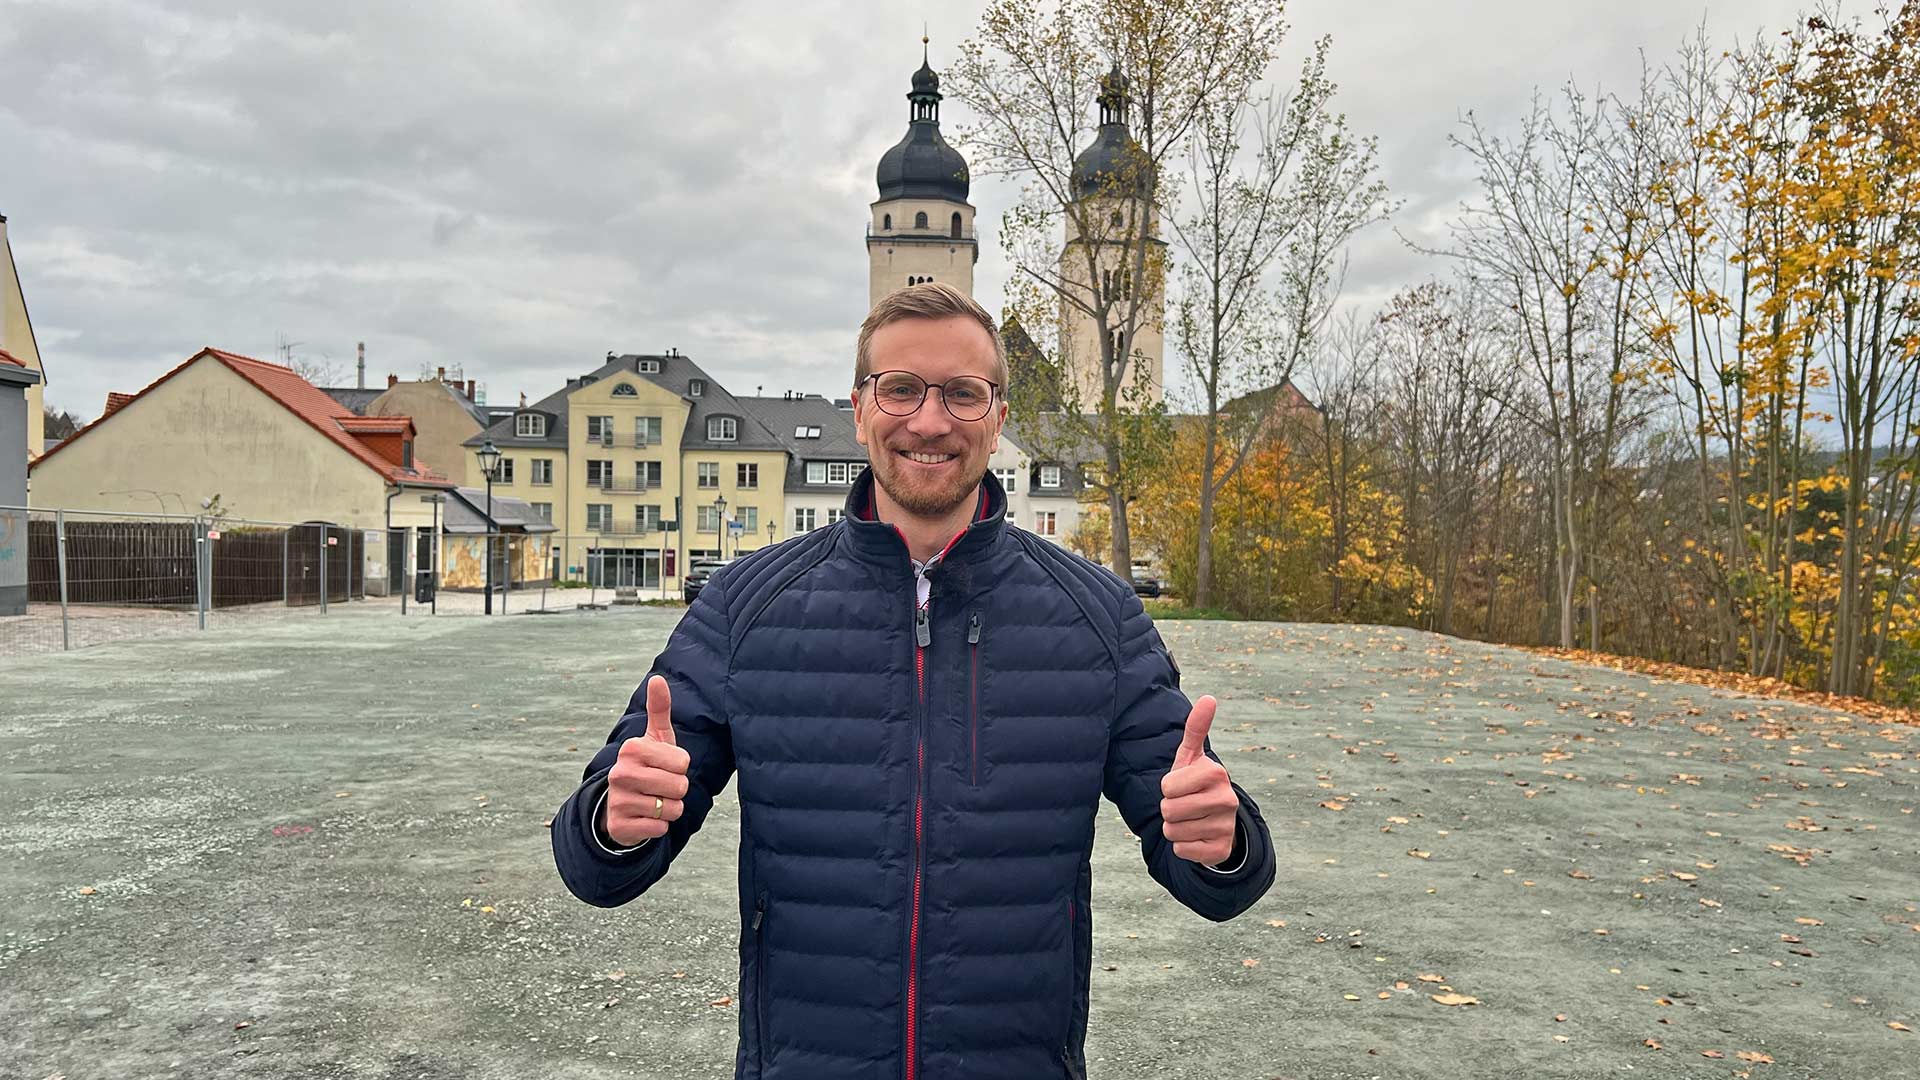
(7, 358)
(298, 396)
(114, 401)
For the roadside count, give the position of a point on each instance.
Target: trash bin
(423, 587)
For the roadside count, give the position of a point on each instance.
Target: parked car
(697, 575)
(1146, 580)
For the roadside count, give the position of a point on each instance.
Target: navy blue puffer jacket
(917, 795)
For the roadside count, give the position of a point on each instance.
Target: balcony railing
(624, 487)
(618, 440)
(623, 528)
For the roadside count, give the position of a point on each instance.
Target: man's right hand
(650, 771)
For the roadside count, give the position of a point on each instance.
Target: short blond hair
(927, 300)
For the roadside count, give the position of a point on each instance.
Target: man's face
(930, 462)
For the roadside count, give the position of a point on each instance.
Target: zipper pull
(922, 632)
(973, 629)
(759, 912)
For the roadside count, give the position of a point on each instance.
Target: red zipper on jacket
(922, 637)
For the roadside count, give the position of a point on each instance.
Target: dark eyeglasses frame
(993, 390)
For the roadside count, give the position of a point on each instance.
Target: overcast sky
(515, 189)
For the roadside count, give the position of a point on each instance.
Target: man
(924, 707)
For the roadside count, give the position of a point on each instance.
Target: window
(722, 429)
(834, 514)
(816, 472)
(696, 554)
(1046, 523)
(748, 518)
(747, 475)
(625, 390)
(837, 473)
(886, 221)
(696, 387)
(920, 220)
(542, 471)
(530, 426)
(956, 225)
(1007, 478)
(1012, 518)
(1049, 476)
(646, 474)
(646, 431)
(503, 472)
(599, 516)
(406, 453)
(646, 518)
(706, 519)
(803, 519)
(543, 510)
(649, 367)
(599, 473)
(709, 474)
(600, 430)
(806, 431)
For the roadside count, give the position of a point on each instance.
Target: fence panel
(81, 578)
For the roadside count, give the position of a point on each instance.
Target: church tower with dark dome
(922, 225)
(1113, 186)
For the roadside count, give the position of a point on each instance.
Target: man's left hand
(1197, 803)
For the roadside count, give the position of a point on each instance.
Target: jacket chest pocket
(1033, 706)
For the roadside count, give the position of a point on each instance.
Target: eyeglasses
(901, 393)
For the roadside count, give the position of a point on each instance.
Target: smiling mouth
(926, 459)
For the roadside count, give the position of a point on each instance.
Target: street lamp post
(770, 527)
(489, 461)
(720, 512)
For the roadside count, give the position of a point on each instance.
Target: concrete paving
(307, 848)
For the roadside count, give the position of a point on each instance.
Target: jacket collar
(877, 539)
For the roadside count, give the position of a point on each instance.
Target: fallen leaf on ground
(1454, 999)
(1754, 1056)
(87, 890)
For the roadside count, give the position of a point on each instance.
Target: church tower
(1113, 183)
(922, 227)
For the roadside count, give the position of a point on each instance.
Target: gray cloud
(515, 189)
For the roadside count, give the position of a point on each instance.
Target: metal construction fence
(74, 578)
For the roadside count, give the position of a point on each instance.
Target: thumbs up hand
(1197, 802)
(649, 778)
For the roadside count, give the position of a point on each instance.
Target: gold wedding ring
(657, 804)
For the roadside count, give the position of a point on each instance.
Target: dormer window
(406, 453)
(696, 387)
(722, 429)
(649, 367)
(530, 426)
(625, 390)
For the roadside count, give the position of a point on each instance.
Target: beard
(927, 496)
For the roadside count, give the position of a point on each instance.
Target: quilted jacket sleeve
(695, 666)
(1150, 716)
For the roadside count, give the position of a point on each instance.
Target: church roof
(1114, 163)
(922, 165)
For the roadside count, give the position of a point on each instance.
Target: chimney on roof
(609, 355)
(362, 366)
(523, 399)
(391, 380)
(469, 389)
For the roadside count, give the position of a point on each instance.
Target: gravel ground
(307, 848)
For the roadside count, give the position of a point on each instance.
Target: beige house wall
(769, 498)
(207, 431)
(440, 422)
(16, 337)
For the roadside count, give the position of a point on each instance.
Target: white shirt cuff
(600, 808)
